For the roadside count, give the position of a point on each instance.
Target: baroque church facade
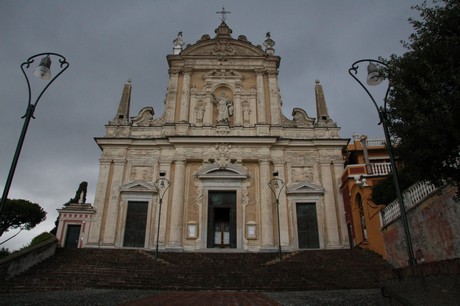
(197, 177)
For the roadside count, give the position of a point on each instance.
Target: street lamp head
(43, 70)
(374, 76)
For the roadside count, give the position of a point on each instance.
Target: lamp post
(162, 184)
(374, 78)
(276, 186)
(43, 72)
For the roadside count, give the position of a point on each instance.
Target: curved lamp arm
(63, 65)
(158, 183)
(274, 184)
(354, 70)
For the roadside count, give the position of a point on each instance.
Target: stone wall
(435, 231)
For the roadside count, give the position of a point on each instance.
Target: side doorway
(72, 237)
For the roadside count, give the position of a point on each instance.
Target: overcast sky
(108, 42)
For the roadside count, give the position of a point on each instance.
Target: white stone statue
(224, 107)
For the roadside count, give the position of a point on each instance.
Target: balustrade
(412, 196)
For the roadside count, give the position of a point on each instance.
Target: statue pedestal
(73, 226)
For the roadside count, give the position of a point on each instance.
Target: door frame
(314, 199)
(232, 215)
(67, 232)
(146, 223)
(297, 221)
(239, 211)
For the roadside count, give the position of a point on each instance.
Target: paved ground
(99, 297)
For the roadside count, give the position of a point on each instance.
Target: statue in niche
(80, 195)
(224, 108)
(199, 109)
(246, 113)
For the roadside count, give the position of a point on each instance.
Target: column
(185, 93)
(164, 166)
(101, 200)
(207, 120)
(274, 97)
(260, 96)
(238, 111)
(170, 108)
(113, 204)
(332, 239)
(177, 206)
(266, 206)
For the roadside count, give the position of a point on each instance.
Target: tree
(385, 192)
(424, 99)
(20, 214)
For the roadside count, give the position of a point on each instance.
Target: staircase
(138, 269)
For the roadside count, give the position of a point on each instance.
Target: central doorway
(221, 219)
(136, 221)
(307, 226)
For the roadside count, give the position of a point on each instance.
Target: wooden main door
(136, 220)
(221, 219)
(307, 226)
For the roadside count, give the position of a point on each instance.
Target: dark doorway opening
(221, 219)
(136, 221)
(307, 226)
(72, 236)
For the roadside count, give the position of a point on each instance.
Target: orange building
(366, 163)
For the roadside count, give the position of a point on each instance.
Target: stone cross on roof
(223, 12)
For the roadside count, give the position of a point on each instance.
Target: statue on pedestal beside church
(80, 195)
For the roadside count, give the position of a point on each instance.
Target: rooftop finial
(224, 13)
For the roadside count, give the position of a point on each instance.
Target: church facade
(197, 176)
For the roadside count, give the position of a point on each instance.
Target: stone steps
(134, 269)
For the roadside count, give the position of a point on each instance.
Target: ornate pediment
(216, 171)
(139, 186)
(304, 188)
(223, 74)
(223, 49)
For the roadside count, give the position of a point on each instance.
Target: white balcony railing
(380, 168)
(411, 197)
(376, 142)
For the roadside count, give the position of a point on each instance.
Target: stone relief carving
(222, 154)
(300, 174)
(222, 50)
(141, 173)
(223, 74)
